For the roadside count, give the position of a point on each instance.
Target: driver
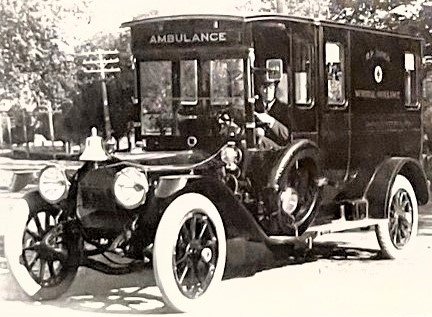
(273, 116)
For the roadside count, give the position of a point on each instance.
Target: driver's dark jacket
(279, 133)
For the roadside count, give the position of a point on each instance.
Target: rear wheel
(189, 252)
(396, 235)
(40, 254)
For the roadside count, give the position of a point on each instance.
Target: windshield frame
(201, 57)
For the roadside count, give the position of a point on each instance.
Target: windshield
(194, 89)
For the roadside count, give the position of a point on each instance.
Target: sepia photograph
(216, 158)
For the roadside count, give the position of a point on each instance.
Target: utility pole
(281, 6)
(100, 62)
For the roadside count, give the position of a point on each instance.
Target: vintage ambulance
(198, 175)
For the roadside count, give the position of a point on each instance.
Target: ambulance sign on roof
(179, 38)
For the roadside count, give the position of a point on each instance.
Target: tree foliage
(304, 8)
(413, 17)
(36, 53)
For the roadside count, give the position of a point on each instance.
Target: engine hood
(167, 160)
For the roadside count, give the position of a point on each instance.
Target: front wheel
(395, 236)
(40, 255)
(189, 252)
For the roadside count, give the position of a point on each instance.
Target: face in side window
(335, 70)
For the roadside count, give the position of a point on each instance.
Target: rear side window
(411, 97)
(335, 70)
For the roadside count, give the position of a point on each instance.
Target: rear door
(335, 108)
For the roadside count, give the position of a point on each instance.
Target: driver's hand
(228, 125)
(265, 118)
(224, 118)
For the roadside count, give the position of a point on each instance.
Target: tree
(305, 8)
(380, 14)
(36, 53)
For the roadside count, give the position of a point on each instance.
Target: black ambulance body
(196, 175)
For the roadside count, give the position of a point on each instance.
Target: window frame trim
(344, 104)
(296, 35)
(416, 104)
(187, 102)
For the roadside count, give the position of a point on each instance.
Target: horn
(94, 149)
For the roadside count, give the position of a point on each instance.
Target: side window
(156, 97)
(303, 54)
(335, 70)
(226, 81)
(427, 86)
(410, 81)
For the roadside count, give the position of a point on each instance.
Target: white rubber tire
(164, 245)
(13, 248)
(388, 248)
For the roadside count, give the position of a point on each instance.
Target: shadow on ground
(133, 294)
(137, 293)
(259, 258)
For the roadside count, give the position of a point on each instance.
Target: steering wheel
(227, 125)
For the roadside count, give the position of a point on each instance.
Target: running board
(342, 225)
(319, 230)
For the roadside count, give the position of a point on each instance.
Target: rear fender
(378, 189)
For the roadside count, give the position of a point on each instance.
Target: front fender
(171, 184)
(300, 149)
(237, 219)
(378, 188)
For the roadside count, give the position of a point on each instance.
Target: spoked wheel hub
(48, 249)
(44, 254)
(400, 218)
(196, 250)
(195, 256)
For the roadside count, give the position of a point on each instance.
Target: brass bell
(94, 148)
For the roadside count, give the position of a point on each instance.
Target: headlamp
(130, 187)
(53, 184)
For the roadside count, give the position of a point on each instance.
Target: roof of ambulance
(248, 18)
